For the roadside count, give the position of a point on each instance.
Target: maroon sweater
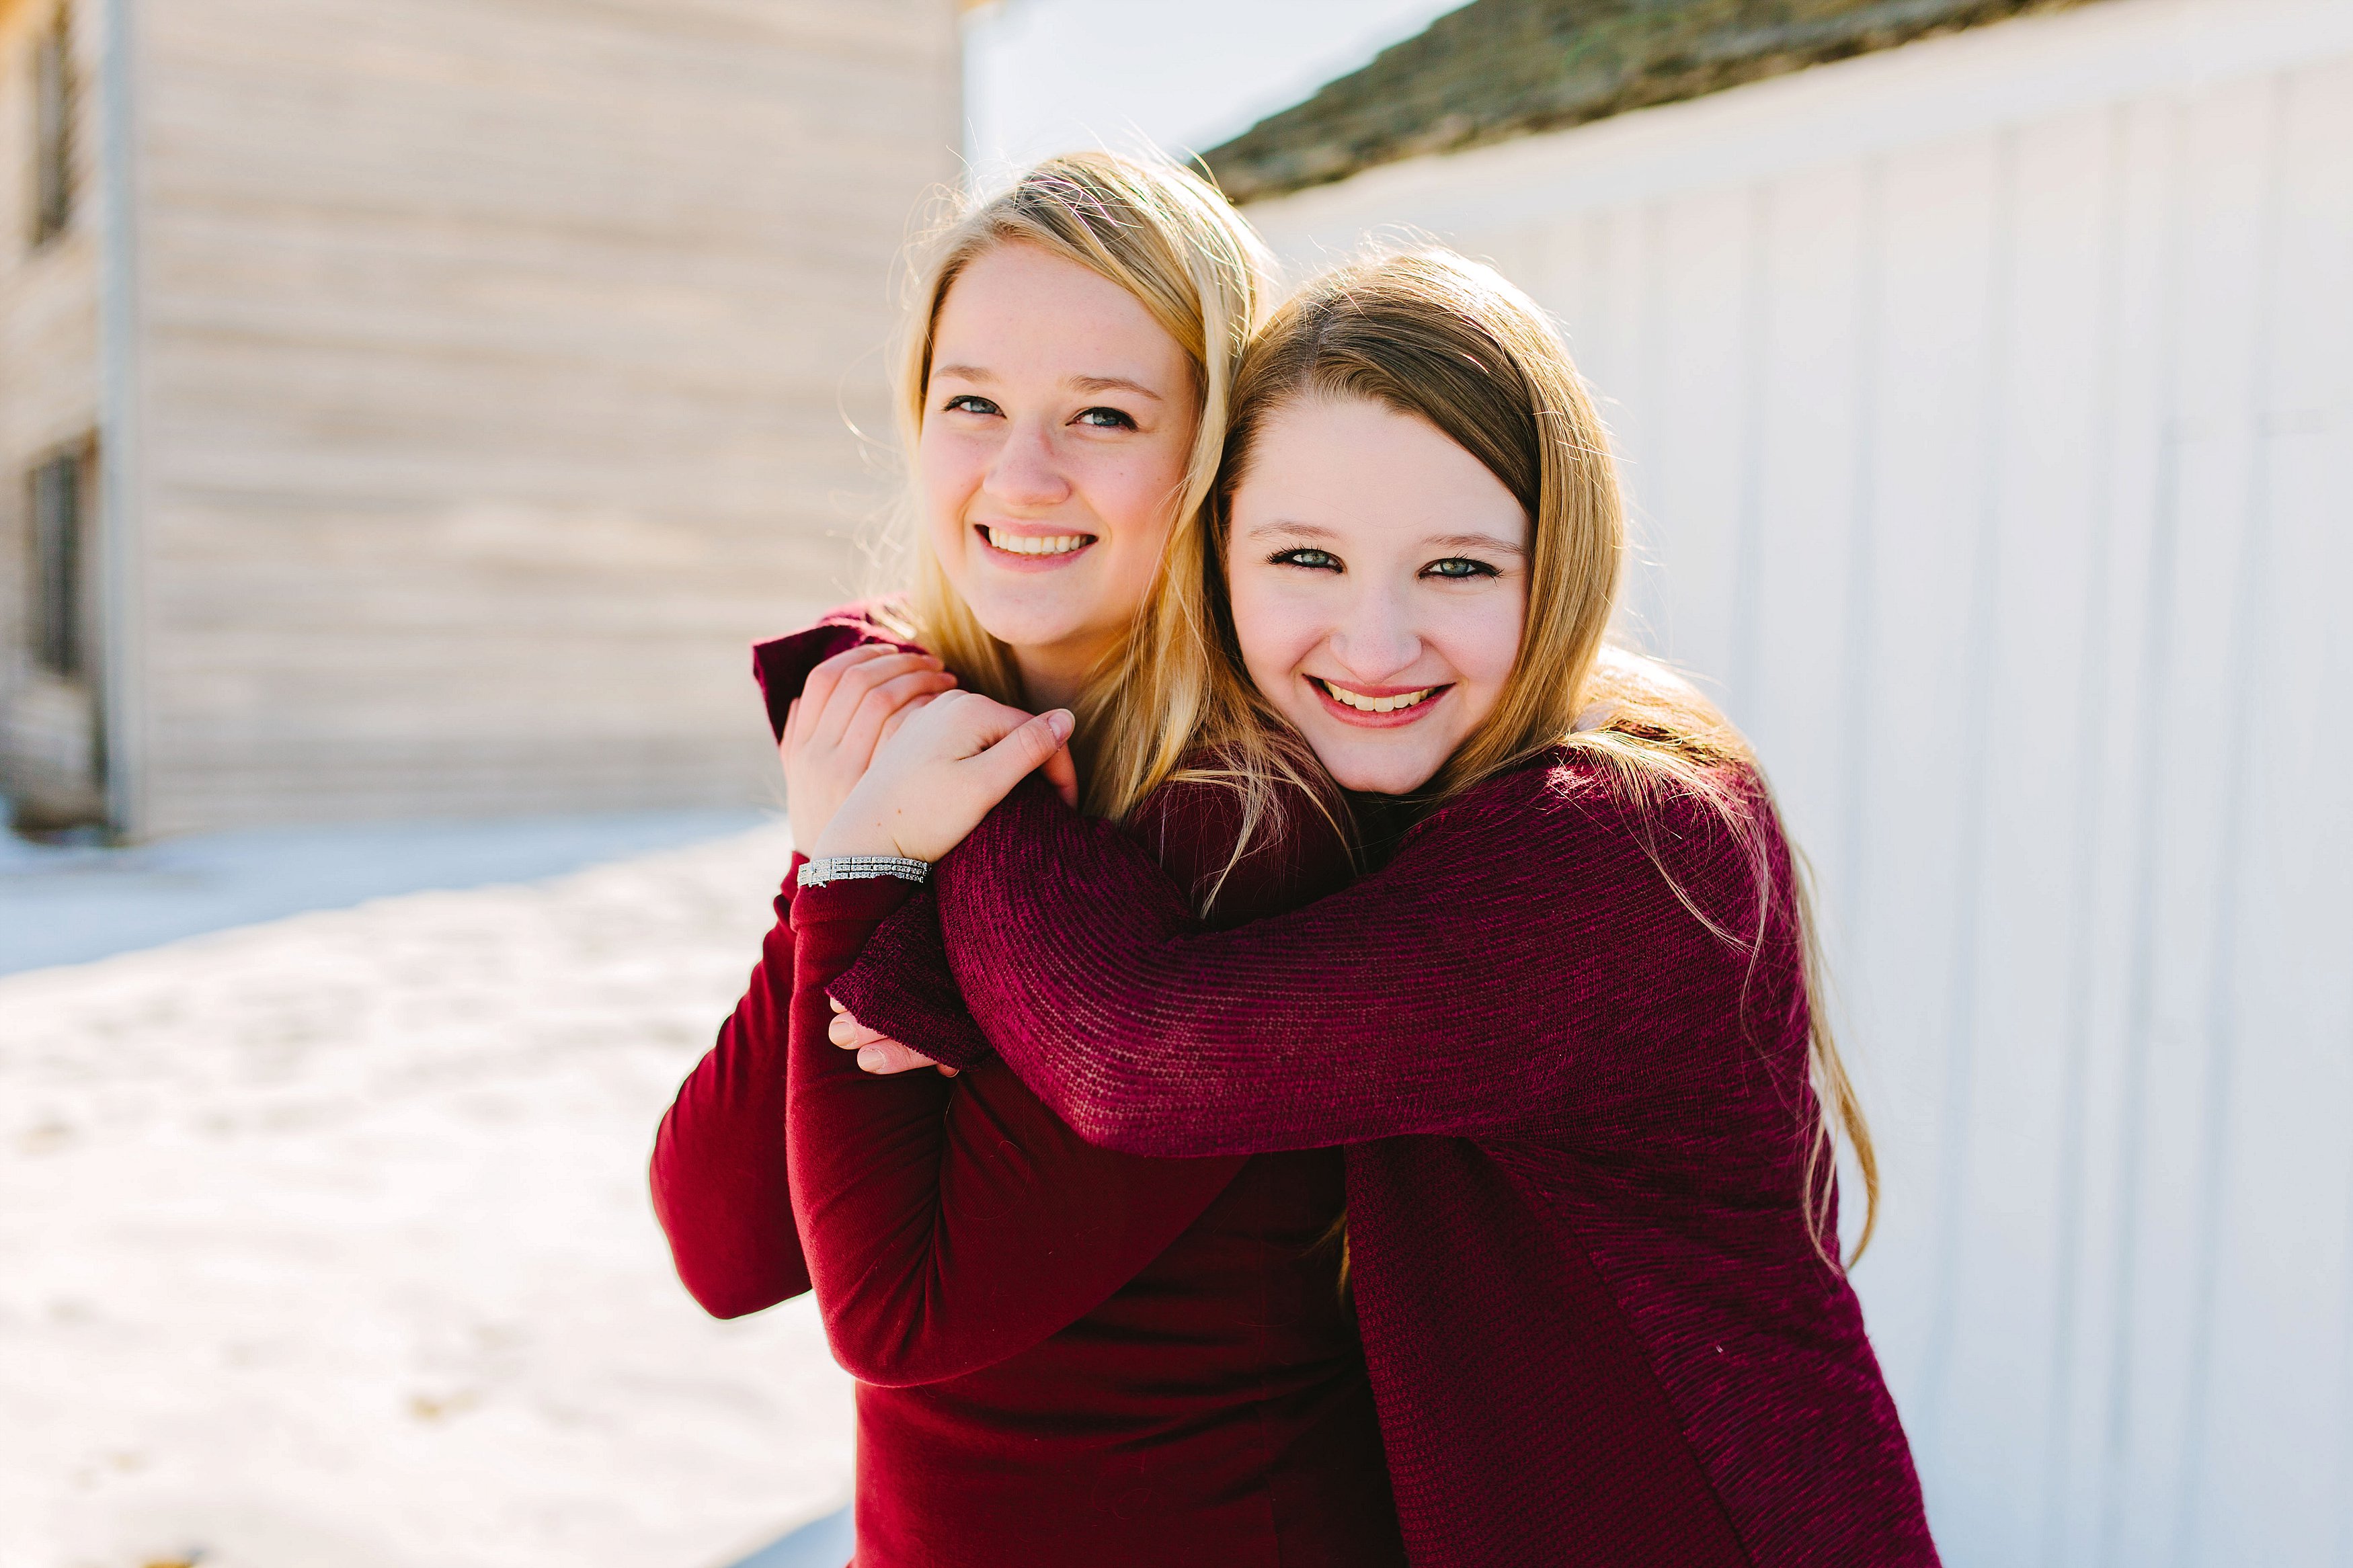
(1598, 1329)
(1067, 1356)
(720, 1177)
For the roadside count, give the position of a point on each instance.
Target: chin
(1023, 620)
(1382, 775)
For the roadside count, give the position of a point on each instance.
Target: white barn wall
(1988, 407)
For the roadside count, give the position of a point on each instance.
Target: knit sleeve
(718, 1171)
(1520, 967)
(927, 1012)
(951, 1223)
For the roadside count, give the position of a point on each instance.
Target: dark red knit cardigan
(1597, 1327)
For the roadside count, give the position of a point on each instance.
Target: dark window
(53, 115)
(57, 536)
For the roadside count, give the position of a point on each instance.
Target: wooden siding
(1988, 408)
(496, 362)
(49, 404)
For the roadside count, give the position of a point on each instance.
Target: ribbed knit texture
(1597, 1325)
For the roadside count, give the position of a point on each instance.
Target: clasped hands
(882, 756)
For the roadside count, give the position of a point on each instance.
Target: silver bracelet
(849, 868)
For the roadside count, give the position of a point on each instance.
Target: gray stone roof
(1499, 68)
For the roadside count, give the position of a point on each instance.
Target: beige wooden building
(414, 406)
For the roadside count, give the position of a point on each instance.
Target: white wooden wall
(1989, 413)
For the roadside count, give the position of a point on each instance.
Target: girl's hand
(930, 783)
(876, 1055)
(851, 703)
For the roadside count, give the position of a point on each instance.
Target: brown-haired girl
(1066, 1355)
(1566, 1027)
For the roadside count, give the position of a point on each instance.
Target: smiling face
(1379, 576)
(1058, 421)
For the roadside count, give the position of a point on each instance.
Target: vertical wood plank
(1792, 697)
(1934, 269)
(1622, 241)
(2115, 781)
(2277, 1361)
(2223, 142)
(1696, 412)
(2001, 1268)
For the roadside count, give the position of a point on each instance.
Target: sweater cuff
(902, 989)
(792, 883)
(850, 899)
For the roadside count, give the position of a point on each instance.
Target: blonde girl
(1065, 1356)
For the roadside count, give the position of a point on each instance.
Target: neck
(1054, 677)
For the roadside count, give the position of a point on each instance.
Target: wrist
(841, 838)
(819, 870)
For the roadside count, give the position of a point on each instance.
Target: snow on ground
(326, 1242)
(69, 904)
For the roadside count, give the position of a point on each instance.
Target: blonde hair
(1428, 333)
(1170, 238)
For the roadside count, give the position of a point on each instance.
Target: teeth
(1020, 544)
(1364, 704)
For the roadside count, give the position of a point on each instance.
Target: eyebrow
(1113, 384)
(979, 378)
(1477, 541)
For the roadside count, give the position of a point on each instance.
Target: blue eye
(1458, 568)
(1314, 560)
(968, 403)
(1104, 419)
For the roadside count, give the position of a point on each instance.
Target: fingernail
(870, 1057)
(1060, 721)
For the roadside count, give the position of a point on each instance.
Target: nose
(1375, 639)
(1025, 473)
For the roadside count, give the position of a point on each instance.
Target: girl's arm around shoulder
(906, 958)
(1520, 967)
(951, 1223)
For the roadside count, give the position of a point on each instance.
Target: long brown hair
(1170, 239)
(1427, 334)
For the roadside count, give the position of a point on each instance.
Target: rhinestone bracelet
(849, 867)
